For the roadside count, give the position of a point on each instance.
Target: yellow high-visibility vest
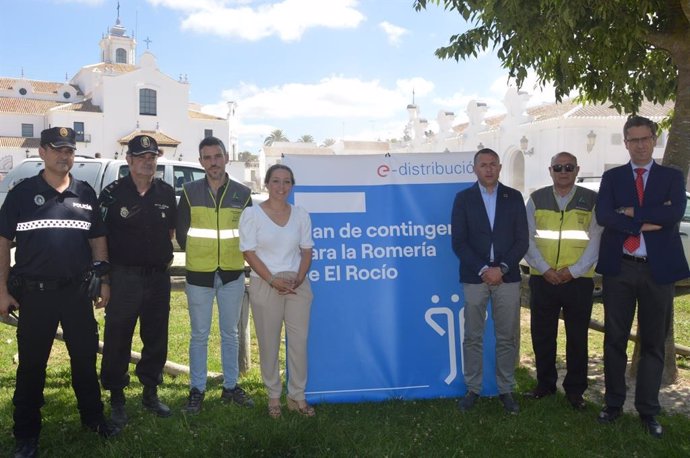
(213, 239)
(562, 235)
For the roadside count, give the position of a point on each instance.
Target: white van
(99, 173)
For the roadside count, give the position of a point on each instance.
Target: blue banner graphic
(386, 321)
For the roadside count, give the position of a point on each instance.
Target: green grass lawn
(395, 428)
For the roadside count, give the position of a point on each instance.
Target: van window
(87, 171)
(183, 175)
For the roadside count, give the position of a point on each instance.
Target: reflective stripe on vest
(212, 233)
(213, 237)
(562, 236)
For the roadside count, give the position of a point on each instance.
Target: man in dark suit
(641, 257)
(489, 235)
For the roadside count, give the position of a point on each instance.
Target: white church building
(108, 103)
(526, 138)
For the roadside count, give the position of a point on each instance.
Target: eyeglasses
(640, 141)
(558, 168)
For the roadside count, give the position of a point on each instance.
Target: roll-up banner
(386, 321)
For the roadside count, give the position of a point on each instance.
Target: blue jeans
(200, 300)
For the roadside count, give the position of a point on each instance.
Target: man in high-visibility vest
(207, 229)
(563, 249)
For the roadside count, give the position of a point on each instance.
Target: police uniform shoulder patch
(39, 199)
(124, 212)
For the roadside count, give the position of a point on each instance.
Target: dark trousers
(634, 285)
(546, 303)
(39, 315)
(146, 298)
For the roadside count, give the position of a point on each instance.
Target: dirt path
(674, 399)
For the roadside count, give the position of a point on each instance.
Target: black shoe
(609, 414)
(576, 401)
(468, 402)
(118, 415)
(509, 404)
(237, 395)
(196, 398)
(652, 426)
(26, 448)
(539, 393)
(104, 428)
(151, 402)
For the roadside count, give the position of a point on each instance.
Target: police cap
(142, 144)
(58, 137)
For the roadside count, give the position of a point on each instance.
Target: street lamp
(524, 143)
(591, 140)
(28, 153)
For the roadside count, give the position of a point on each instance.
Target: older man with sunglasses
(563, 248)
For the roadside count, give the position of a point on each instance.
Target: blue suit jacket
(472, 235)
(663, 204)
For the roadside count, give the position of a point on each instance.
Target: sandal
(305, 410)
(274, 409)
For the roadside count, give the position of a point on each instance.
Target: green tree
(306, 139)
(246, 156)
(276, 136)
(608, 51)
(328, 142)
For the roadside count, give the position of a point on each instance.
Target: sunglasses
(558, 168)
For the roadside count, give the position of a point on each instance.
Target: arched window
(120, 56)
(147, 102)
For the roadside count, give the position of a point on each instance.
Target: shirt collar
(646, 166)
(71, 188)
(484, 190)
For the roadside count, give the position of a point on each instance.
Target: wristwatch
(504, 268)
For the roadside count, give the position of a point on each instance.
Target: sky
(340, 69)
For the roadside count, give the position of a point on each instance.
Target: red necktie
(632, 243)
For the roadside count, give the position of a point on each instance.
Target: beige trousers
(270, 310)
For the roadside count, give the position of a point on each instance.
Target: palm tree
(276, 136)
(306, 139)
(328, 142)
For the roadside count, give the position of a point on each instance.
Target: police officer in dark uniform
(54, 219)
(139, 212)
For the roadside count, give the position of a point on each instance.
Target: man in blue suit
(489, 235)
(640, 257)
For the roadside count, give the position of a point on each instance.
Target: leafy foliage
(276, 136)
(617, 51)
